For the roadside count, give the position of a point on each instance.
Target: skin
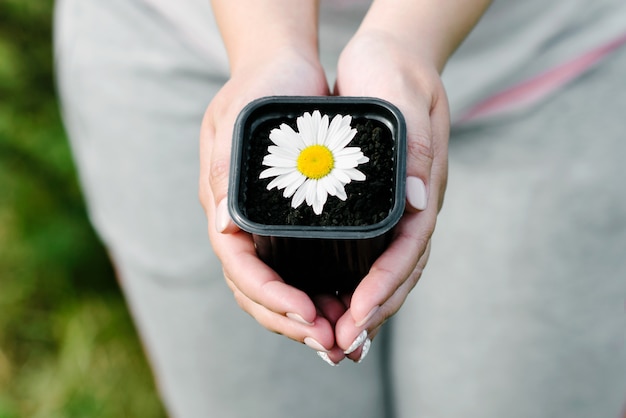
(412, 41)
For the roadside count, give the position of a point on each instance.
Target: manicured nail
(416, 193)
(324, 356)
(222, 218)
(367, 317)
(366, 349)
(314, 344)
(357, 342)
(297, 318)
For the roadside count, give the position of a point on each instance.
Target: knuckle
(421, 240)
(419, 148)
(218, 173)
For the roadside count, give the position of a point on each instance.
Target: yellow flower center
(315, 161)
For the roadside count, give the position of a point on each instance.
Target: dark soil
(369, 202)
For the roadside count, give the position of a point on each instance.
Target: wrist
(289, 54)
(430, 29)
(259, 30)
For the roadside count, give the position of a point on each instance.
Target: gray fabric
(521, 310)
(515, 40)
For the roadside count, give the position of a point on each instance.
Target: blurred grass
(67, 344)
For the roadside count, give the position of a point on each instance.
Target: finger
(213, 183)
(360, 346)
(353, 338)
(440, 128)
(319, 336)
(412, 234)
(423, 103)
(428, 128)
(257, 281)
(419, 156)
(359, 354)
(330, 307)
(394, 266)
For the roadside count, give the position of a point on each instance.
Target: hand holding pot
(396, 55)
(378, 64)
(272, 64)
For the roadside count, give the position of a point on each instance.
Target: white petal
(322, 130)
(311, 189)
(341, 192)
(327, 184)
(363, 159)
(307, 127)
(300, 195)
(272, 160)
(317, 208)
(346, 162)
(295, 181)
(355, 174)
(275, 171)
(348, 151)
(316, 119)
(285, 137)
(333, 129)
(279, 182)
(349, 159)
(343, 138)
(321, 195)
(284, 152)
(340, 175)
(333, 186)
(340, 132)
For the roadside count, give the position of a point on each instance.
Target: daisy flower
(315, 161)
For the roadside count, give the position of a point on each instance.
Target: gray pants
(520, 312)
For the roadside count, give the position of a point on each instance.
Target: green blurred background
(67, 344)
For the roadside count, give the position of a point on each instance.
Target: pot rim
(385, 112)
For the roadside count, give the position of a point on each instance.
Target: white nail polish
(416, 193)
(297, 318)
(314, 344)
(222, 218)
(366, 349)
(324, 356)
(357, 342)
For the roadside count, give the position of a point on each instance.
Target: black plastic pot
(314, 253)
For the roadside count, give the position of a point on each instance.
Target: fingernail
(366, 349)
(314, 344)
(222, 218)
(324, 356)
(367, 317)
(298, 318)
(357, 342)
(416, 193)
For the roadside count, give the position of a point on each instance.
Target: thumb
(214, 174)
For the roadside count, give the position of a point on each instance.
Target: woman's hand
(377, 64)
(257, 288)
(397, 54)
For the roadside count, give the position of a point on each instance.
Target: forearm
(432, 28)
(252, 29)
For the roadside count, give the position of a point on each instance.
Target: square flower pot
(331, 251)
